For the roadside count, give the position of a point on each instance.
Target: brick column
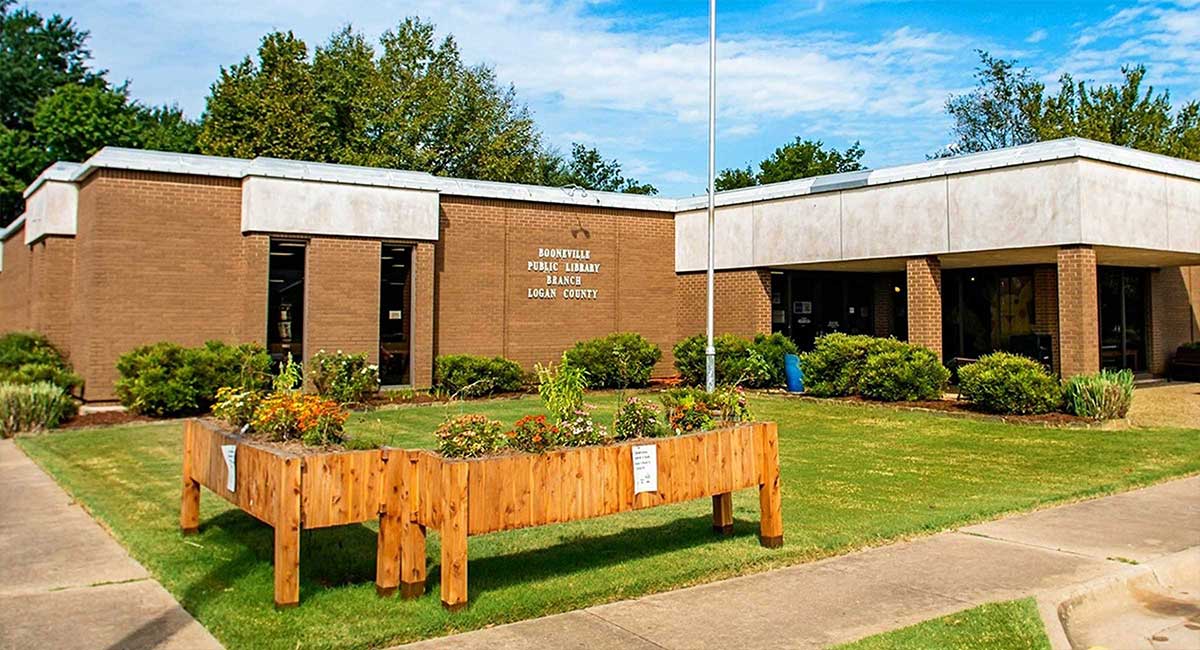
(925, 303)
(1078, 311)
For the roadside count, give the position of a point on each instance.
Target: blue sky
(630, 77)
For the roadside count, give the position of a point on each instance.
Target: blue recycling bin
(795, 376)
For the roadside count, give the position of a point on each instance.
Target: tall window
(285, 299)
(395, 300)
(984, 310)
(1122, 296)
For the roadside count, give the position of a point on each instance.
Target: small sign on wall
(230, 453)
(645, 468)
(394, 314)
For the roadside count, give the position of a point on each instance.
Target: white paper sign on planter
(645, 468)
(230, 453)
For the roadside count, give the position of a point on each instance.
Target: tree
(413, 104)
(1008, 107)
(589, 170)
(798, 159)
(70, 123)
(37, 55)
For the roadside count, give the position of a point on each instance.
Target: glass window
(395, 300)
(285, 299)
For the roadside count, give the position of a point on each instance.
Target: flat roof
(176, 163)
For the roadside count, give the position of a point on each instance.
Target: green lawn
(852, 476)
(1012, 625)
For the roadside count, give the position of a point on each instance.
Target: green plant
(579, 429)
(561, 388)
(1011, 384)
(1105, 395)
(343, 378)
(33, 407)
(693, 409)
(622, 360)
(27, 358)
(636, 418)
(835, 365)
(470, 436)
(236, 405)
(289, 415)
(906, 374)
(466, 375)
(166, 379)
(290, 376)
(533, 433)
(757, 362)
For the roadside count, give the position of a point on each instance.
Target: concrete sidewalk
(65, 583)
(848, 597)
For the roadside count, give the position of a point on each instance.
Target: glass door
(395, 299)
(285, 299)
(1122, 297)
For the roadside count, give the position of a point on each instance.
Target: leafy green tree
(999, 112)
(164, 128)
(37, 55)
(75, 120)
(798, 159)
(588, 169)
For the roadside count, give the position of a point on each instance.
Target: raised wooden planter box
(287, 491)
(460, 498)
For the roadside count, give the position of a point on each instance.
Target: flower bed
(288, 491)
(475, 496)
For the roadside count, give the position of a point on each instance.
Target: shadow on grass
(345, 555)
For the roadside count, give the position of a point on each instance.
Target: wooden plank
(189, 507)
(393, 515)
(454, 529)
(769, 496)
(287, 534)
(521, 487)
(412, 544)
(610, 473)
(722, 507)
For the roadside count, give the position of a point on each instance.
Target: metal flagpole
(710, 352)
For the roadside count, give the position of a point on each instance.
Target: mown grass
(852, 476)
(1011, 625)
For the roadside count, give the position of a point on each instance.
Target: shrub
(580, 430)
(33, 407)
(236, 406)
(907, 374)
(836, 364)
(27, 358)
(756, 363)
(343, 378)
(1007, 383)
(636, 419)
(615, 361)
(1105, 395)
(311, 419)
(533, 433)
(561, 388)
(166, 379)
(470, 436)
(468, 375)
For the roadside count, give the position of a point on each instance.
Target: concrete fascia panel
(318, 208)
(52, 209)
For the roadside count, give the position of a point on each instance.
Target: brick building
(1081, 254)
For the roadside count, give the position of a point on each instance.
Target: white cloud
(1037, 36)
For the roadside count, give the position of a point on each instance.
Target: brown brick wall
(883, 306)
(1175, 310)
(741, 303)
(341, 297)
(924, 292)
(482, 278)
(158, 257)
(421, 286)
(1078, 311)
(14, 284)
(1045, 300)
(51, 280)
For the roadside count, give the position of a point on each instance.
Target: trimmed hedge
(754, 363)
(837, 363)
(1009, 384)
(622, 360)
(1106, 395)
(166, 379)
(27, 358)
(905, 375)
(468, 375)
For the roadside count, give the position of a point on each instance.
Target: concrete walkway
(65, 583)
(848, 597)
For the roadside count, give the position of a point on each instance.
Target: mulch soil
(955, 407)
(104, 419)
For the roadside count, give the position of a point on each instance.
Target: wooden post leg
(287, 536)
(723, 513)
(392, 515)
(770, 504)
(412, 540)
(454, 537)
(189, 507)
